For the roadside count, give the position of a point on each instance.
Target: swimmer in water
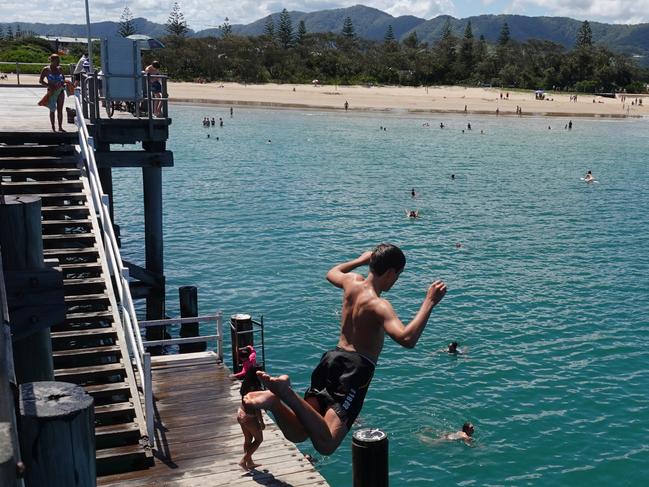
(465, 435)
(412, 213)
(413, 193)
(452, 348)
(458, 245)
(589, 178)
(453, 176)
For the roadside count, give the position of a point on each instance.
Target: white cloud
(617, 11)
(201, 14)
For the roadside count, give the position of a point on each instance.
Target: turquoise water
(549, 293)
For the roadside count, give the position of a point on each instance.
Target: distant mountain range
(370, 23)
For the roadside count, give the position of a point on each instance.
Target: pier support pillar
(153, 238)
(188, 309)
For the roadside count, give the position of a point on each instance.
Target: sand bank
(434, 99)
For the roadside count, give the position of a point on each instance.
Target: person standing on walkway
(53, 79)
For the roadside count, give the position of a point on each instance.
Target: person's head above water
(387, 260)
(452, 347)
(468, 428)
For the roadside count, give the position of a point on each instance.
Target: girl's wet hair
(251, 382)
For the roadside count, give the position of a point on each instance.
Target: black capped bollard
(239, 323)
(188, 309)
(370, 458)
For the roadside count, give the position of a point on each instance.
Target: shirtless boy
(341, 379)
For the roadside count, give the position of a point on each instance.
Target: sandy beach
(433, 99)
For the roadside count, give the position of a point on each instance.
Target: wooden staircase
(89, 348)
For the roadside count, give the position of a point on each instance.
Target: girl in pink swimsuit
(250, 420)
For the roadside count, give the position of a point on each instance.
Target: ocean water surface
(548, 295)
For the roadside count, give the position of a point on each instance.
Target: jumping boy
(341, 379)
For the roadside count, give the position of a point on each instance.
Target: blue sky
(201, 14)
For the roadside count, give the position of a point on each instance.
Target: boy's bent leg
(284, 416)
(326, 432)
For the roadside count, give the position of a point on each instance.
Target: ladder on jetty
(90, 347)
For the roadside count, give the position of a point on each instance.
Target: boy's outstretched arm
(339, 273)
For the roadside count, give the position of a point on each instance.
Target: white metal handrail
(216, 318)
(100, 206)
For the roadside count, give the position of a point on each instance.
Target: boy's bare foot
(280, 385)
(260, 399)
(252, 465)
(62, 130)
(243, 464)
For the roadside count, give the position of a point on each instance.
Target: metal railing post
(219, 335)
(18, 72)
(148, 399)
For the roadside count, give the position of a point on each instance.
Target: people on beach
(346, 105)
(250, 419)
(53, 78)
(155, 86)
(334, 400)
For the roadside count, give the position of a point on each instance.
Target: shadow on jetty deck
(198, 440)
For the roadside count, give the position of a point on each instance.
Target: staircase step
(34, 187)
(51, 210)
(116, 435)
(34, 150)
(115, 409)
(66, 240)
(77, 352)
(94, 332)
(111, 388)
(45, 138)
(79, 222)
(86, 298)
(49, 199)
(53, 253)
(42, 174)
(79, 374)
(90, 317)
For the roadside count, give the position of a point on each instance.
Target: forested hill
(370, 23)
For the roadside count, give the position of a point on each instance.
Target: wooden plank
(134, 159)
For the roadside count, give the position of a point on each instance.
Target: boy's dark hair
(156, 64)
(387, 256)
(250, 381)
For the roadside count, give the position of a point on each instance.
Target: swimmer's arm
(408, 336)
(337, 275)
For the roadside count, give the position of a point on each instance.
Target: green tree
(389, 35)
(10, 33)
(348, 29)
(446, 52)
(126, 27)
(412, 41)
(301, 33)
(2, 33)
(269, 27)
(285, 31)
(584, 35)
(504, 37)
(466, 52)
(176, 24)
(225, 28)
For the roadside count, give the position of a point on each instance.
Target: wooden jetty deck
(198, 439)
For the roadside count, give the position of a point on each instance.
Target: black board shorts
(340, 381)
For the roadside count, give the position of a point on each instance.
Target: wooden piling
(370, 458)
(188, 309)
(240, 336)
(21, 240)
(155, 302)
(57, 435)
